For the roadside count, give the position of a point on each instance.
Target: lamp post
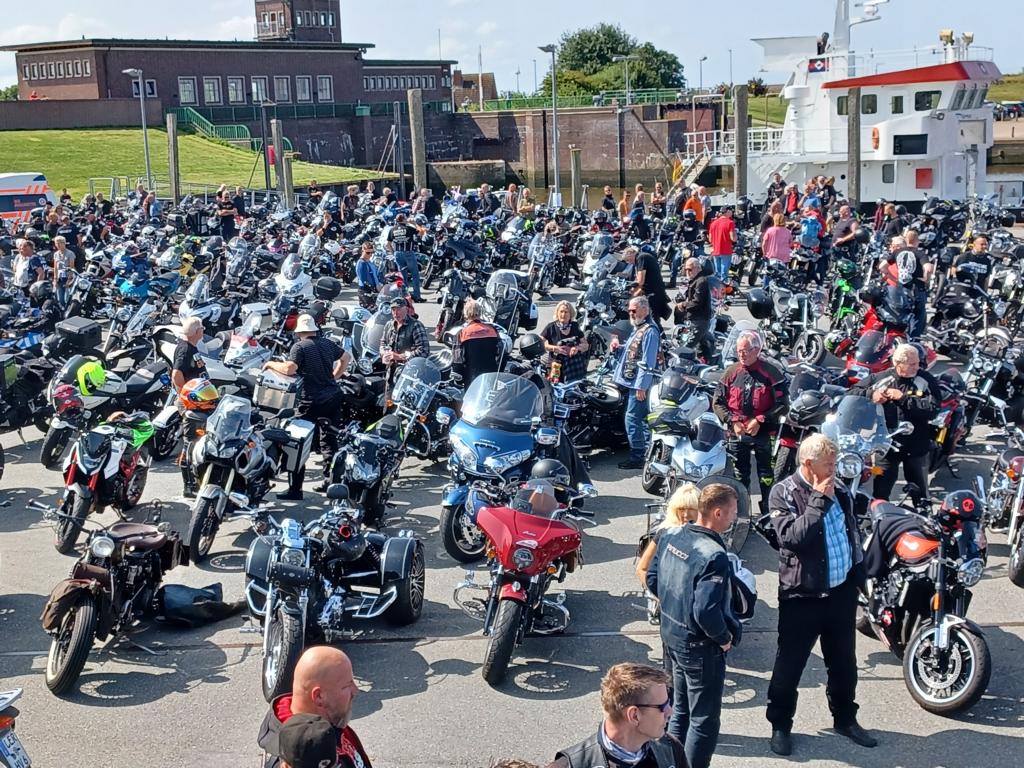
(730, 67)
(264, 103)
(626, 59)
(534, 75)
(137, 74)
(552, 49)
(700, 66)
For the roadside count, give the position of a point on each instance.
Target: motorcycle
(921, 568)
(541, 257)
(106, 467)
(22, 398)
(506, 302)
(530, 546)
(12, 753)
(303, 582)
(112, 585)
(789, 320)
(1006, 501)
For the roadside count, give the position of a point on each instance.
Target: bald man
(323, 684)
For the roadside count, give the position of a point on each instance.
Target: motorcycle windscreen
(373, 331)
(503, 284)
(872, 348)
(857, 427)
(232, 420)
(502, 401)
(729, 347)
(417, 383)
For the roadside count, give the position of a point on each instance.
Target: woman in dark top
(565, 345)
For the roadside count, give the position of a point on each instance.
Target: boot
(188, 482)
(294, 492)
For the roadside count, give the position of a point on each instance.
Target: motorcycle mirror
(535, 421)
(240, 500)
(287, 413)
(905, 428)
(547, 436)
(979, 487)
(444, 416)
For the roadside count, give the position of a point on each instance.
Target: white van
(22, 192)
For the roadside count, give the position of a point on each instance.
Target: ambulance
(20, 194)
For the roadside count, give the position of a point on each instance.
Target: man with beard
(633, 372)
(694, 304)
(323, 685)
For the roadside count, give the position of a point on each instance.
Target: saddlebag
(62, 599)
(295, 451)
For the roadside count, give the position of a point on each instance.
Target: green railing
(192, 117)
(602, 99)
(217, 116)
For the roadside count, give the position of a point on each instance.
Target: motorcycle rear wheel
(462, 543)
(202, 530)
(285, 646)
(165, 442)
(70, 648)
(502, 641)
(970, 661)
(2, 462)
(1015, 568)
(54, 443)
(68, 529)
(408, 606)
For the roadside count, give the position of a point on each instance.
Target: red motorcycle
(530, 544)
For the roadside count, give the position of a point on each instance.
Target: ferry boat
(925, 127)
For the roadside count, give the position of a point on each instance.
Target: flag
(817, 65)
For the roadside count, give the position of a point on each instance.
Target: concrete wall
(466, 174)
(87, 113)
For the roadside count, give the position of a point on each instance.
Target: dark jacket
(919, 404)
(796, 516)
(350, 750)
(666, 752)
(743, 394)
(697, 299)
(477, 350)
(691, 576)
(489, 204)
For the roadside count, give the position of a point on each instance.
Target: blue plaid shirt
(837, 544)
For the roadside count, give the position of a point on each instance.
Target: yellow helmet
(91, 376)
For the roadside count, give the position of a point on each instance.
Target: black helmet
(901, 210)
(600, 215)
(961, 505)
(872, 295)
(215, 243)
(806, 409)
(689, 214)
(347, 543)
(862, 235)
(554, 472)
(531, 346)
(40, 291)
(742, 203)
(759, 304)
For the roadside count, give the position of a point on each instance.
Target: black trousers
(329, 410)
(915, 470)
(803, 621)
(740, 448)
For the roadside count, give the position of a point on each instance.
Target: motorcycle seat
(278, 436)
(880, 509)
(1008, 455)
(138, 535)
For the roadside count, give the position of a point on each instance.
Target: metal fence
(602, 99)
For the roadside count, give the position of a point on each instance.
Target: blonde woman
(63, 269)
(680, 510)
(566, 344)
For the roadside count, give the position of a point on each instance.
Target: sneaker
(857, 735)
(631, 464)
(290, 495)
(781, 743)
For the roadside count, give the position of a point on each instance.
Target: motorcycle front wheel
(945, 689)
(810, 348)
(1015, 568)
(283, 651)
(502, 641)
(653, 483)
(71, 645)
(69, 528)
(165, 441)
(54, 443)
(461, 538)
(202, 529)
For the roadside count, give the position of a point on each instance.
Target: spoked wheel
(71, 645)
(408, 606)
(283, 650)
(944, 683)
(460, 536)
(202, 529)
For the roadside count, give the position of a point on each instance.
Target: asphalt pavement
(170, 697)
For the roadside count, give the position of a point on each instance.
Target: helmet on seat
(552, 471)
(90, 376)
(600, 216)
(40, 291)
(759, 304)
(199, 395)
(531, 346)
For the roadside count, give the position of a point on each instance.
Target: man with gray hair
(633, 372)
(693, 304)
(811, 524)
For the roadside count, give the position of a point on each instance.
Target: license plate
(12, 751)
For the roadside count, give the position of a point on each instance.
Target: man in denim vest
(638, 358)
(692, 577)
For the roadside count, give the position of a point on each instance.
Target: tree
(756, 87)
(10, 93)
(588, 55)
(590, 50)
(570, 83)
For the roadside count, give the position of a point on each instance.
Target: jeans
(410, 266)
(677, 263)
(831, 621)
(722, 264)
(62, 293)
(698, 681)
(919, 319)
(637, 431)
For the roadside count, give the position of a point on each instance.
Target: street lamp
(137, 74)
(730, 67)
(264, 103)
(700, 65)
(626, 59)
(552, 49)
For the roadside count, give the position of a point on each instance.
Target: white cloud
(487, 28)
(236, 28)
(454, 3)
(70, 26)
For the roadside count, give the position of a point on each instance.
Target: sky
(509, 32)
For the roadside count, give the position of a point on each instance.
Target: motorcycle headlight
(522, 558)
(505, 461)
(939, 418)
(360, 470)
(999, 308)
(123, 315)
(969, 573)
(101, 546)
(463, 452)
(293, 557)
(849, 466)
(697, 470)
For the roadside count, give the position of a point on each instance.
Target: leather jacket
(667, 753)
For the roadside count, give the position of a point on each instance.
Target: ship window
(843, 105)
(888, 173)
(982, 95)
(896, 105)
(958, 98)
(869, 104)
(926, 100)
(910, 144)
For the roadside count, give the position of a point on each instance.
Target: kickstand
(141, 647)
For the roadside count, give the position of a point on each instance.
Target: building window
(86, 67)
(266, 18)
(24, 71)
(869, 104)
(888, 173)
(982, 95)
(135, 88)
(298, 19)
(324, 88)
(151, 89)
(77, 63)
(843, 105)
(211, 90)
(273, 18)
(60, 69)
(34, 69)
(958, 98)
(896, 105)
(236, 90)
(366, 83)
(433, 82)
(282, 89)
(51, 70)
(310, 19)
(910, 144)
(259, 90)
(926, 100)
(303, 88)
(323, 19)
(330, 19)
(187, 90)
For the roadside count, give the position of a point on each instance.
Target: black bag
(191, 607)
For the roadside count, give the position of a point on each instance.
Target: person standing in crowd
(978, 256)
(511, 200)
(637, 706)
(404, 338)
(651, 284)
(777, 241)
(324, 685)
(768, 219)
(694, 204)
(623, 207)
(65, 197)
(489, 204)
(320, 362)
(315, 193)
(187, 364)
(330, 227)
(691, 576)
(705, 203)
(238, 200)
(657, 207)
(750, 399)
(63, 270)
(844, 231)
(566, 345)
(367, 276)
(478, 347)
(791, 200)
(777, 188)
(27, 267)
(527, 205)
(633, 372)
(608, 201)
(639, 198)
(722, 234)
(906, 393)
(694, 305)
(680, 509)
(402, 243)
(820, 563)
(226, 211)
(349, 203)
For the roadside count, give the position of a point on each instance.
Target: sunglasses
(633, 311)
(660, 707)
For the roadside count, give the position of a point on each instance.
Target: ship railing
(872, 62)
(765, 141)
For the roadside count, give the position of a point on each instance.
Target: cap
(398, 301)
(306, 324)
(308, 741)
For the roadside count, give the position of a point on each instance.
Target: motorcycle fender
(396, 558)
(509, 592)
(948, 622)
(455, 496)
(62, 597)
(81, 490)
(166, 417)
(216, 494)
(58, 423)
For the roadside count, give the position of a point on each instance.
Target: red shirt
(720, 233)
